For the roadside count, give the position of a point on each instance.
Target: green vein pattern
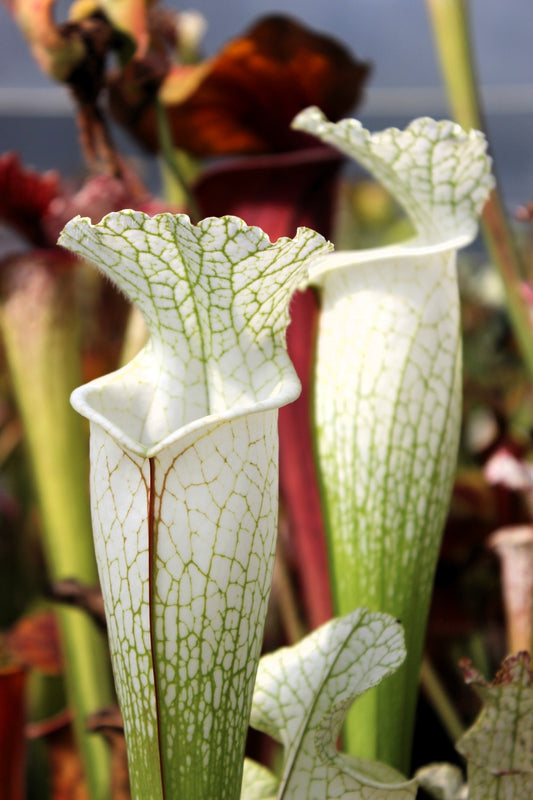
(188, 429)
(388, 395)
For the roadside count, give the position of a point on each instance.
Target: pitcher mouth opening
(414, 247)
(105, 403)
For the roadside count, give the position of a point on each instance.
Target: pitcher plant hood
(184, 483)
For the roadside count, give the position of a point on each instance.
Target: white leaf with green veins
(437, 172)
(388, 394)
(301, 696)
(258, 783)
(499, 746)
(184, 483)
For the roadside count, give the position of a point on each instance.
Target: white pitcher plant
(388, 394)
(184, 483)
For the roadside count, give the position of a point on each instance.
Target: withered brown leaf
(244, 99)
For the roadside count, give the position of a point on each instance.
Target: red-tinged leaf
(298, 480)
(244, 100)
(499, 745)
(34, 643)
(280, 193)
(96, 198)
(38, 206)
(12, 737)
(259, 83)
(25, 197)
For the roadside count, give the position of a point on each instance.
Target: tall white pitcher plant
(184, 483)
(388, 394)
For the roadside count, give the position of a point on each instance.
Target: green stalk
(451, 30)
(449, 19)
(439, 699)
(177, 167)
(39, 323)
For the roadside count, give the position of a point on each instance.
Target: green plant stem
(451, 30)
(176, 183)
(438, 698)
(40, 330)
(449, 19)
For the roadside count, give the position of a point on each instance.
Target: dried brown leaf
(244, 100)
(34, 643)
